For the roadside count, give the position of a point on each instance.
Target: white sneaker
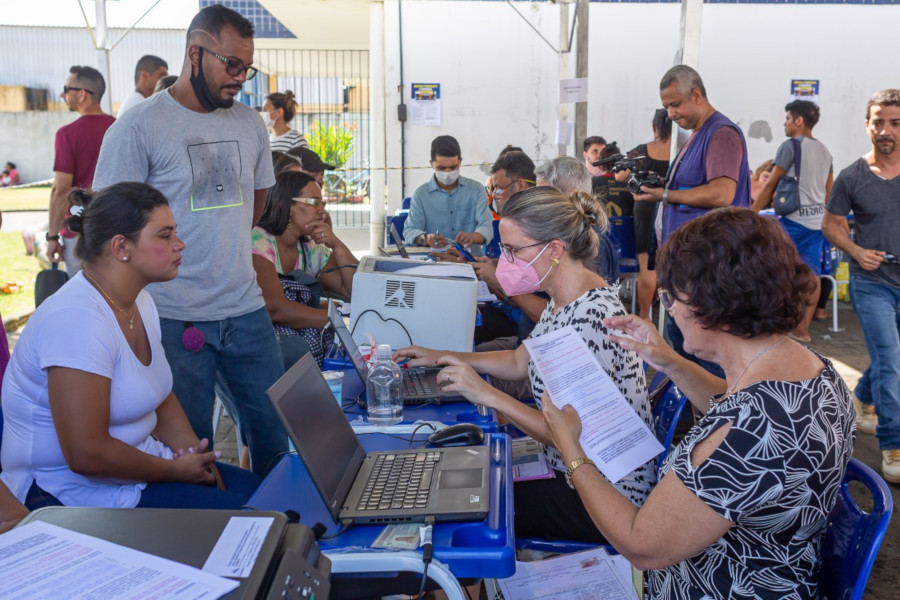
(890, 465)
(866, 419)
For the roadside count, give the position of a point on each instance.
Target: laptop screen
(347, 341)
(398, 241)
(320, 432)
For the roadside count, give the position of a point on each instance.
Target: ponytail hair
(120, 209)
(285, 102)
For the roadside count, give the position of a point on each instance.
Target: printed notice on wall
(573, 90)
(425, 104)
(805, 89)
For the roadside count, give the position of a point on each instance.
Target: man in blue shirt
(449, 206)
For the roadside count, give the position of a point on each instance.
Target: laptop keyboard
(399, 481)
(417, 383)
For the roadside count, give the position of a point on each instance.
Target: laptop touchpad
(460, 478)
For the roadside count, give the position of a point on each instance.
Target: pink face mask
(519, 277)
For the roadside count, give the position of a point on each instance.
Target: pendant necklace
(731, 388)
(113, 302)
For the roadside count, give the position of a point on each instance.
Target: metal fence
(331, 88)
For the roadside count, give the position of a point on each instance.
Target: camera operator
(617, 201)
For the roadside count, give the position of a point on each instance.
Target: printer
(400, 302)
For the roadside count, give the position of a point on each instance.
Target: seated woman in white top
(90, 416)
(293, 235)
(549, 239)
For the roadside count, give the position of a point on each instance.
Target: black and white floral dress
(775, 475)
(625, 368)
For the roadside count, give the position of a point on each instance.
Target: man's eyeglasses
(316, 202)
(510, 251)
(67, 89)
(666, 299)
(233, 66)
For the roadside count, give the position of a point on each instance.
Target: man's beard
(201, 90)
(881, 148)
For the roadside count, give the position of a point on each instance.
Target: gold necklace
(113, 302)
(730, 390)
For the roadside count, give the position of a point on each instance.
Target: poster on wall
(805, 89)
(425, 104)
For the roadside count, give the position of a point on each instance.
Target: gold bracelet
(574, 465)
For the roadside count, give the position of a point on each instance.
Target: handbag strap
(797, 158)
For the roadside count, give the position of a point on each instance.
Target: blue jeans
(675, 338)
(239, 486)
(877, 307)
(244, 351)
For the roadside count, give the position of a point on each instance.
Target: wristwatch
(51, 238)
(574, 465)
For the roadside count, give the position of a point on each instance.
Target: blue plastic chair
(621, 229)
(852, 537)
(406, 203)
(492, 250)
(397, 221)
(666, 415)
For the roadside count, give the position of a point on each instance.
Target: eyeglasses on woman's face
(314, 202)
(667, 299)
(509, 252)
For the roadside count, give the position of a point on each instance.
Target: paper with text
(612, 435)
(40, 560)
(587, 575)
(238, 546)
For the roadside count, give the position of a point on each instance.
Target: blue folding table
(461, 549)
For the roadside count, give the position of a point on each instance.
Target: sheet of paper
(404, 536)
(439, 270)
(484, 293)
(573, 90)
(238, 546)
(612, 435)
(40, 560)
(564, 131)
(584, 575)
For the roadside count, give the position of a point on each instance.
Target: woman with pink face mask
(548, 242)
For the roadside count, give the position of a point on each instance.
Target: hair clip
(76, 210)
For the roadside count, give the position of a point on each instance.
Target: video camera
(638, 178)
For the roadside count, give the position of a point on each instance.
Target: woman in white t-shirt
(277, 112)
(90, 416)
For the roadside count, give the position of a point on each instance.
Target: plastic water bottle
(385, 404)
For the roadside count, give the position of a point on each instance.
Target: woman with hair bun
(549, 243)
(277, 112)
(90, 416)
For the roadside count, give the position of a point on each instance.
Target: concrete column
(563, 149)
(689, 49)
(377, 115)
(102, 37)
(392, 95)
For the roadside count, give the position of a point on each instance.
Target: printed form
(40, 560)
(612, 434)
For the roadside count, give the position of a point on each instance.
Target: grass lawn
(36, 198)
(15, 266)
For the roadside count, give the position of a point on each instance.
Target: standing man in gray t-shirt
(210, 157)
(870, 188)
(816, 177)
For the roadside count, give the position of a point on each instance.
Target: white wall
(27, 140)
(499, 79)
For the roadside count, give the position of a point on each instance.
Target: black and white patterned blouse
(775, 475)
(625, 368)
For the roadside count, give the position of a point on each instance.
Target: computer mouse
(463, 434)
